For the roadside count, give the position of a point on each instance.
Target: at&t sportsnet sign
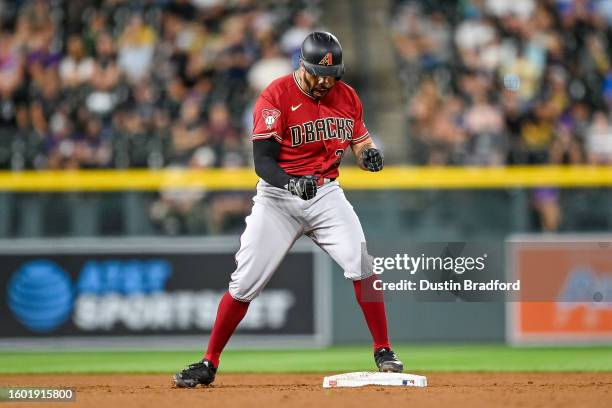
(109, 289)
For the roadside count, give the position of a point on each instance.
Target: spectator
(220, 129)
(545, 202)
(76, 68)
(136, 46)
(189, 137)
(500, 8)
(423, 39)
(41, 53)
(599, 140)
(536, 133)
(272, 65)
(134, 145)
(48, 95)
(174, 94)
(566, 147)
(448, 140)
(304, 23)
(60, 144)
(11, 74)
(105, 80)
(95, 26)
(92, 149)
(485, 126)
(144, 96)
(471, 37)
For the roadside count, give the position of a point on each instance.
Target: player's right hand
(372, 159)
(304, 187)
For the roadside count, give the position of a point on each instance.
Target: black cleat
(203, 372)
(387, 361)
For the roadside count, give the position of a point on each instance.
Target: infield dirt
(304, 390)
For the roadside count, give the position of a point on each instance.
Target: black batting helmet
(321, 54)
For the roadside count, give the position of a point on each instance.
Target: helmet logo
(270, 116)
(327, 59)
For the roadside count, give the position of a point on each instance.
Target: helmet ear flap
(307, 68)
(341, 74)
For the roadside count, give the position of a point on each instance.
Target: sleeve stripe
(263, 135)
(361, 138)
(259, 136)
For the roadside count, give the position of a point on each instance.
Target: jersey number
(340, 154)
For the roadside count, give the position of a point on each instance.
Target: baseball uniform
(313, 135)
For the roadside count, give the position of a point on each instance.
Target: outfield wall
(152, 293)
(162, 293)
(156, 293)
(398, 207)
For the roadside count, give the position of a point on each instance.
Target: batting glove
(372, 159)
(304, 187)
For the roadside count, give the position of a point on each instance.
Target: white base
(362, 378)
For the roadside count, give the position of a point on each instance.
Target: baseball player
(303, 124)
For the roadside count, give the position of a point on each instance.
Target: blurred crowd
(171, 83)
(141, 84)
(493, 82)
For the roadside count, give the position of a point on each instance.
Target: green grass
(335, 359)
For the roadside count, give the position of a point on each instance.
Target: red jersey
(313, 133)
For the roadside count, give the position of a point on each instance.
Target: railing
(392, 178)
(420, 203)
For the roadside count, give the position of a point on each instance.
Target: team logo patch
(270, 116)
(327, 59)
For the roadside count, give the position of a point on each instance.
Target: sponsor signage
(568, 290)
(113, 288)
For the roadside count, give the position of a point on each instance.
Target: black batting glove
(372, 159)
(304, 187)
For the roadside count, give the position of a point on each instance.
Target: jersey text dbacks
(322, 129)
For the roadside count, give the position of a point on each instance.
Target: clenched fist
(372, 159)
(304, 187)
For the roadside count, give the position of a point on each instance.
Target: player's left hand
(372, 159)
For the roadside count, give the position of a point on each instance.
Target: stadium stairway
(363, 28)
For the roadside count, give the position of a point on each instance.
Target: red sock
(229, 315)
(373, 306)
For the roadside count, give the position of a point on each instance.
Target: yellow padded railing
(351, 178)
